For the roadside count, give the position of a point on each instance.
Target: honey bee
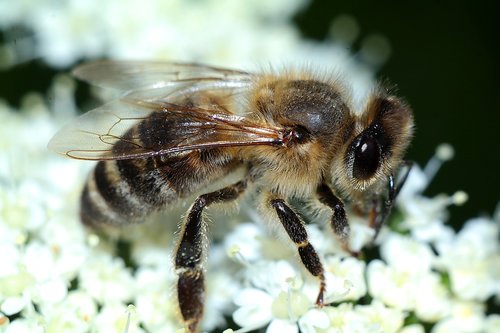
(179, 127)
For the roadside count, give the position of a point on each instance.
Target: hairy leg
(338, 222)
(297, 232)
(189, 255)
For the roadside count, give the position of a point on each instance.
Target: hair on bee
(179, 128)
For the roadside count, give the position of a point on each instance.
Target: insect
(179, 127)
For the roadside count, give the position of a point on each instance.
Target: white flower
(492, 323)
(345, 279)
(313, 320)
(153, 302)
(282, 325)
(406, 281)
(52, 291)
(152, 243)
(380, 318)
(106, 278)
(466, 317)
(221, 291)
(245, 242)
(425, 217)
(15, 281)
(361, 234)
(68, 31)
(74, 314)
(157, 29)
(406, 254)
(407, 267)
(13, 305)
(432, 299)
(279, 296)
(36, 276)
(472, 259)
(25, 325)
(372, 318)
(342, 319)
(275, 297)
(116, 318)
(388, 284)
(222, 287)
(255, 308)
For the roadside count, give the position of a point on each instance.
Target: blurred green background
(444, 60)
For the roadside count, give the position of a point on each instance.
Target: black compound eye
(366, 157)
(300, 134)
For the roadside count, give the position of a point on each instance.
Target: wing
(130, 128)
(158, 115)
(140, 75)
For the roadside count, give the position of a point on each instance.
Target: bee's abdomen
(126, 191)
(108, 197)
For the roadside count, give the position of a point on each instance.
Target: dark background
(445, 62)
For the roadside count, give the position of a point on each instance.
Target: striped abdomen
(125, 191)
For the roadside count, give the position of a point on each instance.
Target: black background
(445, 62)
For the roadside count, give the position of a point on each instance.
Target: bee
(180, 127)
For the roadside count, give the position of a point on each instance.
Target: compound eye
(300, 134)
(366, 157)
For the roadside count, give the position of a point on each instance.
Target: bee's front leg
(339, 222)
(297, 232)
(189, 256)
(383, 208)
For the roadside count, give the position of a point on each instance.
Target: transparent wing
(139, 75)
(134, 128)
(158, 114)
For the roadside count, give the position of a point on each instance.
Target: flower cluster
(55, 276)
(415, 282)
(64, 32)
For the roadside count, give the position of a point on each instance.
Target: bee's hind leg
(189, 256)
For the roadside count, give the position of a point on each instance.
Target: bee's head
(377, 144)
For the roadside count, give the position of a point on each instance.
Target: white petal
(393, 287)
(281, 326)
(406, 254)
(13, 305)
(255, 308)
(492, 323)
(23, 325)
(313, 319)
(53, 291)
(432, 301)
(251, 317)
(252, 296)
(245, 239)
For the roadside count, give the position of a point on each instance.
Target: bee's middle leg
(298, 234)
(189, 255)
